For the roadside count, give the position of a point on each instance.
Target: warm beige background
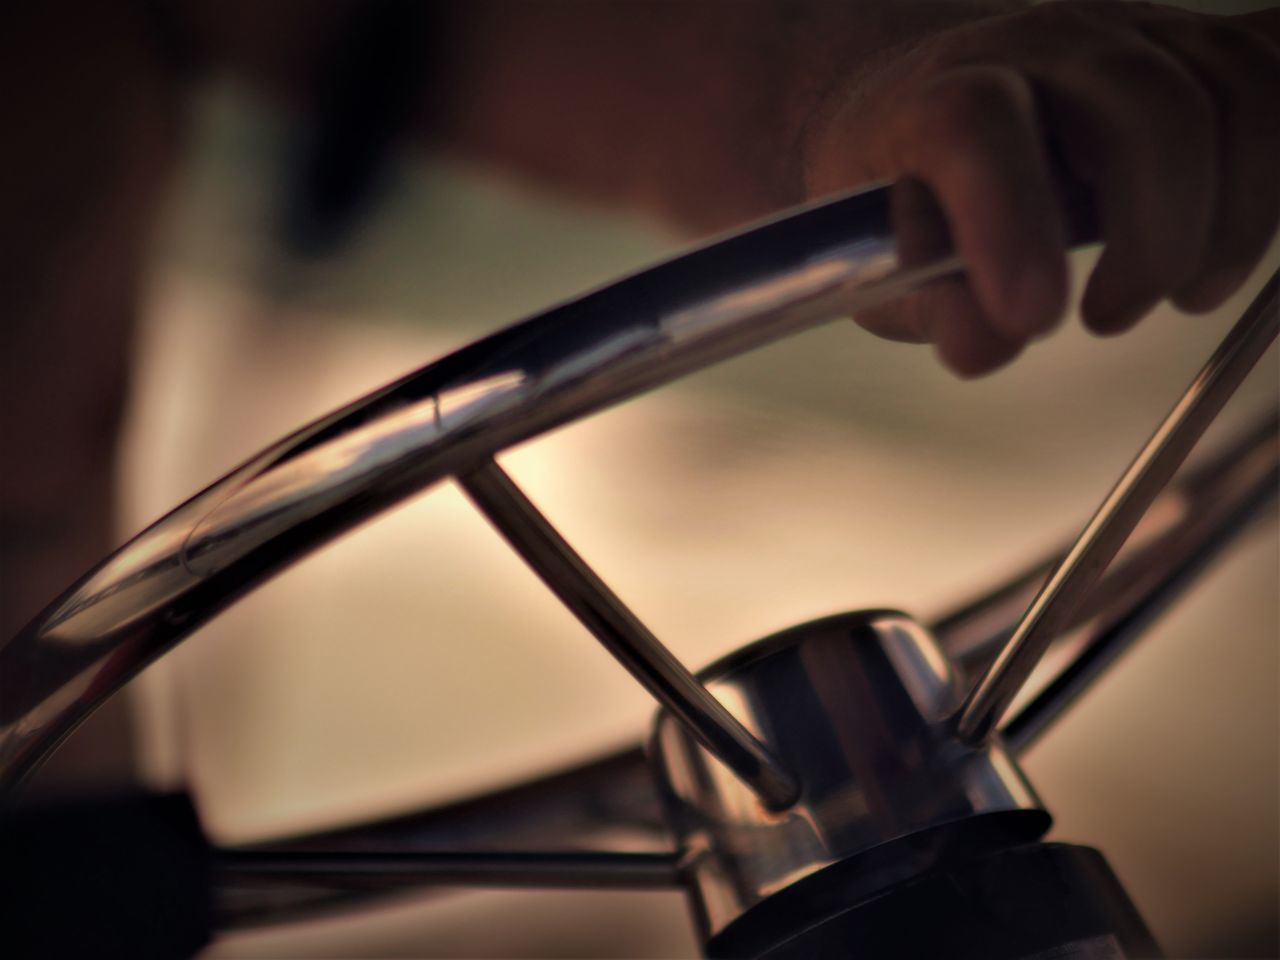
(416, 661)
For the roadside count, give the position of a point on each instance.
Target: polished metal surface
(858, 706)
(611, 803)
(621, 633)
(607, 806)
(1119, 513)
(716, 302)
(1191, 519)
(399, 871)
(1220, 506)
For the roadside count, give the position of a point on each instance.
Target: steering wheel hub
(860, 708)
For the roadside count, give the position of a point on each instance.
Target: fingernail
(1111, 321)
(1039, 299)
(1211, 291)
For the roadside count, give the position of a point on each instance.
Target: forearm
(693, 111)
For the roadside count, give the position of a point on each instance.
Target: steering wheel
(821, 786)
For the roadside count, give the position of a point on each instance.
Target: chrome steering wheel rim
(448, 419)
(732, 295)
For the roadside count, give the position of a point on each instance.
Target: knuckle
(1239, 70)
(969, 101)
(1154, 271)
(1244, 242)
(1164, 94)
(964, 122)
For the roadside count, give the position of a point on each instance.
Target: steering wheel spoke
(620, 631)
(1119, 514)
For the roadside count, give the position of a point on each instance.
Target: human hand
(1168, 118)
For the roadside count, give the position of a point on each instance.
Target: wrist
(853, 56)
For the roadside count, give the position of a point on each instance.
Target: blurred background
(417, 661)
